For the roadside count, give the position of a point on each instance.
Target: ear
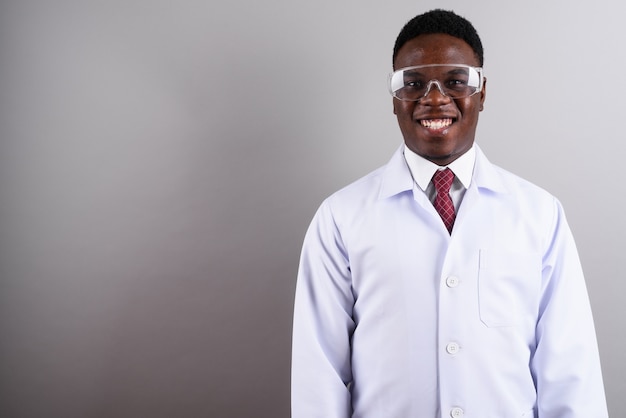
(483, 93)
(395, 112)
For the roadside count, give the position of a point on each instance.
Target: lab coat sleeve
(566, 364)
(323, 324)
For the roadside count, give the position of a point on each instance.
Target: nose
(432, 95)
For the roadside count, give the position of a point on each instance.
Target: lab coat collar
(397, 177)
(486, 175)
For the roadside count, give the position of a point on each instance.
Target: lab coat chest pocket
(508, 287)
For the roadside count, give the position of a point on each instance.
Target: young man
(460, 296)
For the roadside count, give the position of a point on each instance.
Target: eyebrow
(412, 72)
(454, 71)
(459, 71)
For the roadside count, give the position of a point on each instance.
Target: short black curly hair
(440, 21)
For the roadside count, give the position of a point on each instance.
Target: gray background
(160, 162)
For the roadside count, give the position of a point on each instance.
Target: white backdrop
(160, 162)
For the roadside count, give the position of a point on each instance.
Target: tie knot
(443, 180)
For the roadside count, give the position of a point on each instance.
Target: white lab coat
(395, 318)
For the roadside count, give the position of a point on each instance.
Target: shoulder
(388, 180)
(365, 189)
(521, 185)
(509, 196)
(492, 177)
(351, 201)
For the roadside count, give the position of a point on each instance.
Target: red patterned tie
(443, 203)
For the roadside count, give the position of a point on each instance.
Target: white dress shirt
(422, 171)
(395, 318)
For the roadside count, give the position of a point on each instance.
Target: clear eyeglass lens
(455, 81)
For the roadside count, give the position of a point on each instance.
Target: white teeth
(436, 123)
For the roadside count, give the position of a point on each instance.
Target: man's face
(456, 119)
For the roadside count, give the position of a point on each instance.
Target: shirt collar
(397, 177)
(423, 170)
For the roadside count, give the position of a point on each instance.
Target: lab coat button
(456, 413)
(452, 281)
(452, 348)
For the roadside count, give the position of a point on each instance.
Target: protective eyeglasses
(453, 80)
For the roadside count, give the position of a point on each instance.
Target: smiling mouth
(436, 124)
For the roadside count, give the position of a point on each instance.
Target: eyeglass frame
(479, 70)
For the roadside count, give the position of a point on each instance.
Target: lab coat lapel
(486, 178)
(397, 179)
